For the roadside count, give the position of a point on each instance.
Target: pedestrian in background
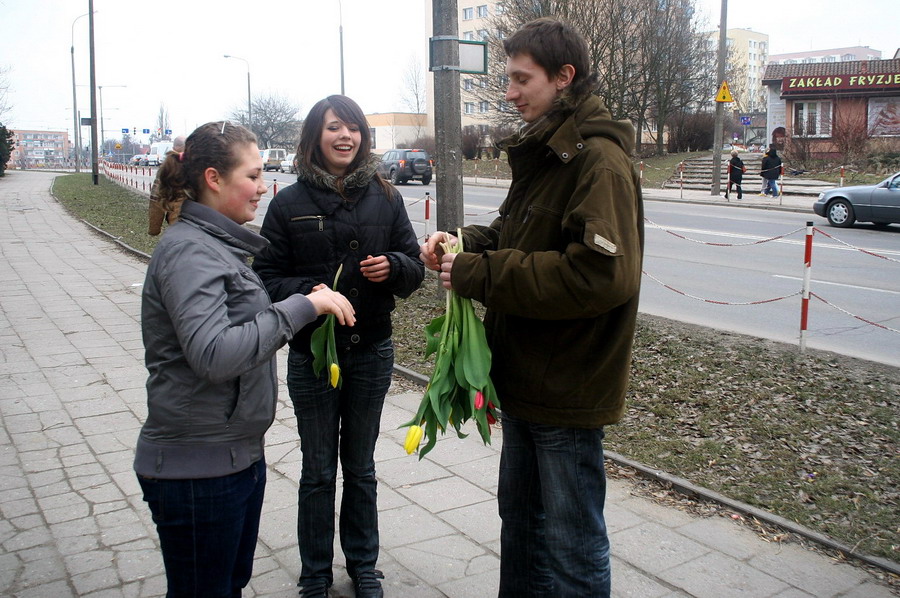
(559, 272)
(157, 214)
(736, 170)
(771, 171)
(340, 215)
(210, 336)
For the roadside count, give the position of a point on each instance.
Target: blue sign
(168, 131)
(146, 131)
(745, 120)
(125, 131)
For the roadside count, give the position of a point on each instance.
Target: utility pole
(720, 108)
(447, 120)
(95, 165)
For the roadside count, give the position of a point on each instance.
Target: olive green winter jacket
(560, 270)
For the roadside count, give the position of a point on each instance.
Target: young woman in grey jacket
(210, 335)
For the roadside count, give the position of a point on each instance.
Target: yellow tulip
(335, 375)
(413, 438)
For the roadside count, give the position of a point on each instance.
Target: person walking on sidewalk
(771, 171)
(340, 216)
(736, 170)
(210, 336)
(559, 272)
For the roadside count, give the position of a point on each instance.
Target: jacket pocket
(602, 237)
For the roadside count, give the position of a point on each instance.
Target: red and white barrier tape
(715, 301)
(758, 242)
(860, 318)
(860, 249)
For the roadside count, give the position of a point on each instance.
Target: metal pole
(804, 302)
(341, 34)
(720, 108)
(102, 127)
(76, 131)
(95, 166)
(249, 103)
(447, 119)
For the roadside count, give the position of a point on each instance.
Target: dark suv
(401, 165)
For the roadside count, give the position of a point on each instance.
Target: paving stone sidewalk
(73, 522)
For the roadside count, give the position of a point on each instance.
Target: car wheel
(426, 180)
(395, 177)
(840, 213)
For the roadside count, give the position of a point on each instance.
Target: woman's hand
(327, 301)
(431, 252)
(376, 269)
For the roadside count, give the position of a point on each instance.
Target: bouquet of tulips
(323, 346)
(460, 387)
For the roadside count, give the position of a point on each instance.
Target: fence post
(804, 302)
(427, 214)
(842, 176)
(641, 174)
(781, 185)
(681, 179)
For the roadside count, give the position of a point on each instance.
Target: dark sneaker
(367, 584)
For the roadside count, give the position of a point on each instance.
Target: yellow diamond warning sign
(724, 94)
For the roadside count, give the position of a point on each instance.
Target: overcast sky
(171, 51)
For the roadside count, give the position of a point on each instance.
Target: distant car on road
(402, 165)
(287, 165)
(879, 204)
(136, 159)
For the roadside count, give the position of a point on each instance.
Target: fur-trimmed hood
(349, 183)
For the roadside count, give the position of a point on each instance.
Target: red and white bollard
(427, 214)
(807, 271)
(681, 178)
(641, 173)
(842, 176)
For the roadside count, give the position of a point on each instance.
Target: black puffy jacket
(312, 231)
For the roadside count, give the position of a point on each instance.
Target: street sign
(168, 131)
(125, 131)
(746, 121)
(86, 121)
(146, 131)
(724, 94)
(118, 146)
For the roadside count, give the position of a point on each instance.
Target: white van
(272, 158)
(158, 152)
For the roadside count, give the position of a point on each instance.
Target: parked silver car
(879, 204)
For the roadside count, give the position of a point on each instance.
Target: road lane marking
(839, 284)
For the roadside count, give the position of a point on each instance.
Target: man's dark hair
(552, 44)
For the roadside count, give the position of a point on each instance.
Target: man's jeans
(772, 188)
(552, 490)
(339, 421)
(207, 529)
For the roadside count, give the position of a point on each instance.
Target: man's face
(530, 90)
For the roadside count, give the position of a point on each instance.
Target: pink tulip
(479, 400)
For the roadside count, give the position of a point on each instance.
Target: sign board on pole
(168, 131)
(86, 121)
(724, 94)
(146, 131)
(746, 121)
(125, 131)
(473, 56)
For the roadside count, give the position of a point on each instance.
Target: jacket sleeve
(193, 283)
(274, 263)
(407, 270)
(598, 270)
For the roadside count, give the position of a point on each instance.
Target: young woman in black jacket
(340, 215)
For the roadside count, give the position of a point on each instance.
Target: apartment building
(39, 149)
(748, 52)
(850, 54)
(474, 24)
(395, 129)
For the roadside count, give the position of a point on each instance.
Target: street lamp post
(249, 104)
(75, 132)
(102, 122)
(341, 36)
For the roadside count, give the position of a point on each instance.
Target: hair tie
(181, 156)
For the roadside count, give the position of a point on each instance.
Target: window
(810, 60)
(830, 59)
(482, 11)
(484, 107)
(468, 85)
(470, 35)
(468, 14)
(470, 107)
(483, 34)
(504, 80)
(812, 119)
(847, 57)
(504, 106)
(372, 137)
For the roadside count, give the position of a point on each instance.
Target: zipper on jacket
(527, 215)
(321, 220)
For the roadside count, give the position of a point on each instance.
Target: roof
(777, 72)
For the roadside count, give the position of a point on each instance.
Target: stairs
(698, 175)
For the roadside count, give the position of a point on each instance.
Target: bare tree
(412, 91)
(275, 121)
(162, 125)
(5, 106)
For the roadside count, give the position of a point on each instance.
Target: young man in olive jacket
(559, 272)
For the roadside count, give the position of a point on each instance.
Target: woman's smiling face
(339, 143)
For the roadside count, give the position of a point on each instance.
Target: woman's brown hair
(212, 145)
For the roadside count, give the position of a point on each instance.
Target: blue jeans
(335, 422)
(207, 530)
(552, 490)
(771, 187)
